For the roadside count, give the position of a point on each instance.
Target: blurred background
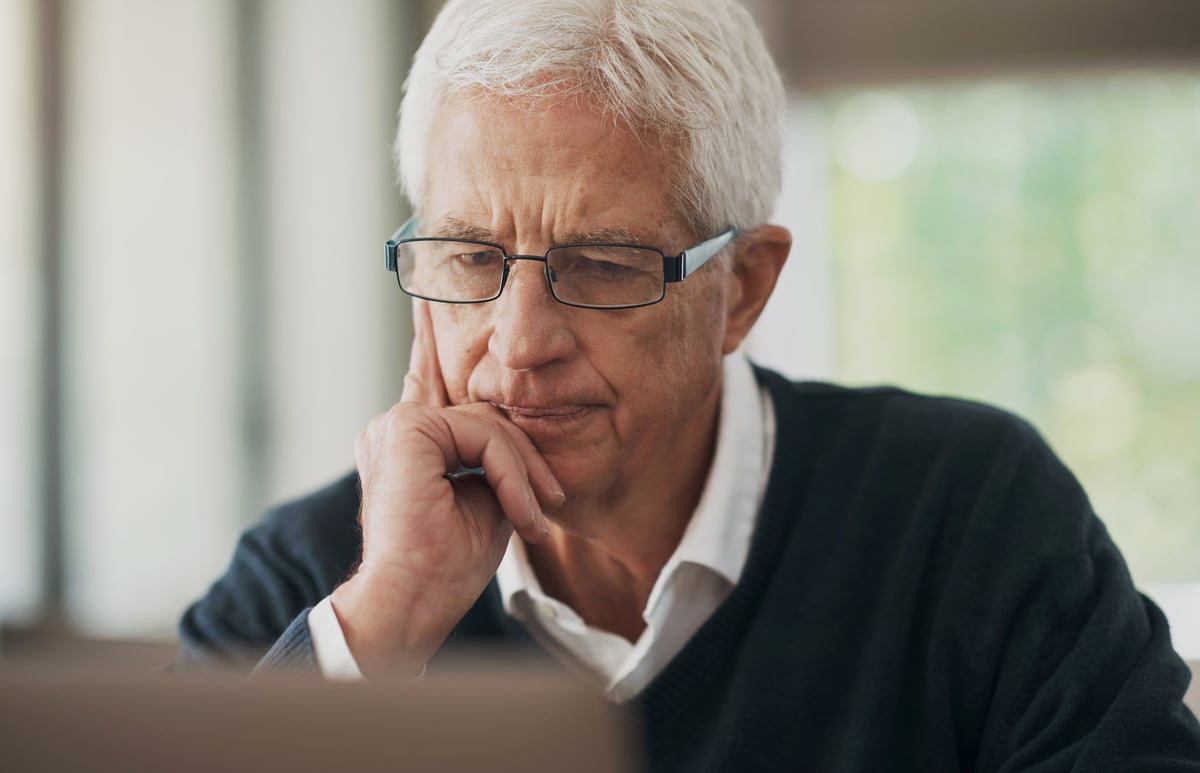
(999, 201)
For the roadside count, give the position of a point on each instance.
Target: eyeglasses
(590, 276)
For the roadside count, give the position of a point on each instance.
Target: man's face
(614, 399)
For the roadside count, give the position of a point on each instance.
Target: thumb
(423, 383)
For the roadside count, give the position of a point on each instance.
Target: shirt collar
(719, 532)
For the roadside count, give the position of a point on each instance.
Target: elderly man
(779, 574)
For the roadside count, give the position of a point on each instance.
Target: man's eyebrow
(603, 236)
(450, 227)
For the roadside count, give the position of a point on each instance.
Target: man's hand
(432, 535)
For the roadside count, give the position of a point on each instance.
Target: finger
(546, 488)
(423, 383)
(368, 448)
(508, 474)
(362, 456)
(467, 439)
(477, 499)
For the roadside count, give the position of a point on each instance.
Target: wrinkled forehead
(656, 148)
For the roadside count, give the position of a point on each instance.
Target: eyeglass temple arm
(403, 232)
(683, 265)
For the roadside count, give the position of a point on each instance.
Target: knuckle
(401, 413)
(488, 414)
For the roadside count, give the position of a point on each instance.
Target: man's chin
(586, 475)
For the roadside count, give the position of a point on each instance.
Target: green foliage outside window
(1036, 245)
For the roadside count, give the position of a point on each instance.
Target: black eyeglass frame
(676, 268)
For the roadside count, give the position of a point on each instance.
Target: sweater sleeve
(1088, 679)
(293, 652)
(257, 612)
(1102, 691)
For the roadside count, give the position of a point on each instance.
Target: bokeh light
(875, 136)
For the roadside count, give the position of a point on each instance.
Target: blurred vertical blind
(19, 316)
(151, 446)
(338, 326)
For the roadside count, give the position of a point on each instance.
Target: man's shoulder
(287, 562)
(316, 535)
(333, 507)
(320, 528)
(891, 414)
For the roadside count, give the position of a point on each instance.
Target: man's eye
(479, 259)
(603, 264)
(604, 267)
(607, 264)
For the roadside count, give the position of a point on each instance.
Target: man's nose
(528, 325)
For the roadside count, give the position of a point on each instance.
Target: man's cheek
(458, 386)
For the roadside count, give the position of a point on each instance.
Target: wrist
(385, 634)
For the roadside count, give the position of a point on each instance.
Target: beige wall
(822, 43)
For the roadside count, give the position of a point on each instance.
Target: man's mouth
(546, 419)
(542, 411)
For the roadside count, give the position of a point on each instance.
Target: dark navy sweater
(927, 589)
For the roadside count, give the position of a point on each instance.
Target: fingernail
(556, 490)
(535, 512)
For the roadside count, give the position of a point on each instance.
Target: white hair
(694, 74)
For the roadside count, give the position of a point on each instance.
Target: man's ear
(760, 256)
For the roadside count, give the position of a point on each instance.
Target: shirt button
(547, 610)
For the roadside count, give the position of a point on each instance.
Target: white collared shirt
(696, 579)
